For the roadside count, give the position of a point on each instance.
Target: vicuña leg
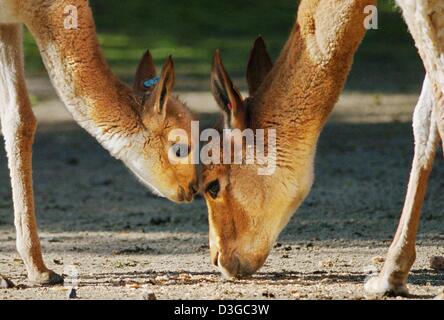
(402, 253)
(18, 126)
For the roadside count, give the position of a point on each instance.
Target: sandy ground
(123, 241)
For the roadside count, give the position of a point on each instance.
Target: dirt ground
(123, 241)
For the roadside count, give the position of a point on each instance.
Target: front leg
(18, 126)
(402, 253)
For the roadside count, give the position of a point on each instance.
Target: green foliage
(191, 30)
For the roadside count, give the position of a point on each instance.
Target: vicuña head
(247, 211)
(159, 113)
(244, 207)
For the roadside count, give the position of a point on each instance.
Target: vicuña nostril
(229, 266)
(181, 194)
(216, 260)
(194, 188)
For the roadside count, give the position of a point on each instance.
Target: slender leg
(402, 253)
(18, 126)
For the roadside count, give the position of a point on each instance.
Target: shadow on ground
(93, 214)
(361, 175)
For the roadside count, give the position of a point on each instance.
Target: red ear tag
(230, 106)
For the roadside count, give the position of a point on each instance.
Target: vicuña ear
(146, 71)
(227, 95)
(259, 65)
(164, 88)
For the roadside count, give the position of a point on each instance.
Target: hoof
(376, 286)
(440, 296)
(47, 278)
(5, 283)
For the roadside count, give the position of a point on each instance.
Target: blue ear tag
(151, 82)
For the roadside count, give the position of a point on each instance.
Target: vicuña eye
(213, 188)
(181, 150)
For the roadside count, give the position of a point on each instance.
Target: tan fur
(133, 131)
(425, 20)
(295, 99)
(18, 126)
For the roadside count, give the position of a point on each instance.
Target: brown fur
(83, 59)
(295, 99)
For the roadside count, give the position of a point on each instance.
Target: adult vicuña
(425, 20)
(248, 211)
(132, 124)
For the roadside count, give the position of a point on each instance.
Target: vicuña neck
(98, 101)
(304, 85)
